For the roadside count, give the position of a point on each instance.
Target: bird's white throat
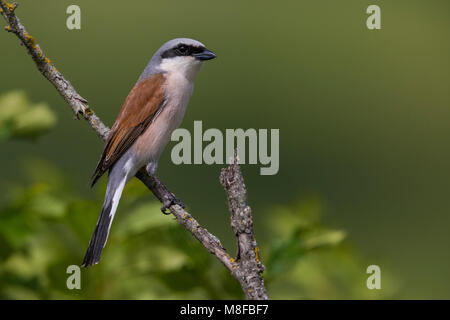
(186, 66)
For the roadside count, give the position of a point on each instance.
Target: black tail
(100, 235)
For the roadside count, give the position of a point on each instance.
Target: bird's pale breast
(151, 143)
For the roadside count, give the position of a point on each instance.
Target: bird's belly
(152, 142)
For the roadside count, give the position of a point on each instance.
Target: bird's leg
(169, 201)
(169, 198)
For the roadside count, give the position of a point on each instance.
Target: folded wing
(139, 109)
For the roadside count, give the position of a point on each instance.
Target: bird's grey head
(182, 55)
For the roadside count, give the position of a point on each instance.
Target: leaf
(19, 118)
(48, 206)
(145, 217)
(14, 229)
(36, 121)
(12, 104)
(324, 239)
(183, 279)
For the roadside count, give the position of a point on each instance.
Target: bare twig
(250, 266)
(74, 100)
(246, 268)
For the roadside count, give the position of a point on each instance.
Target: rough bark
(250, 266)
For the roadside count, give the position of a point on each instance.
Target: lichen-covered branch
(78, 104)
(250, 266)
(207, 239)
(251, 282)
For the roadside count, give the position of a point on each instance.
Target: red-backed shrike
(153, 109)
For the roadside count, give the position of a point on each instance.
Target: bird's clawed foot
(169, 201)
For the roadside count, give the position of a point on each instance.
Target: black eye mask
(182, 50)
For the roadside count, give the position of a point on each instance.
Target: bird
(153, 109)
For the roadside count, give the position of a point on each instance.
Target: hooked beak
(205, 55)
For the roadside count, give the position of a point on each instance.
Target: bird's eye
(182, 50)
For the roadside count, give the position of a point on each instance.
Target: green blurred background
(363, 118)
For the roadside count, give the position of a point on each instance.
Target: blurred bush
(308, 260)
(45, 227)
(19, 118)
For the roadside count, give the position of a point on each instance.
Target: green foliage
(307, 260)
(44, 229)
(19, 118)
